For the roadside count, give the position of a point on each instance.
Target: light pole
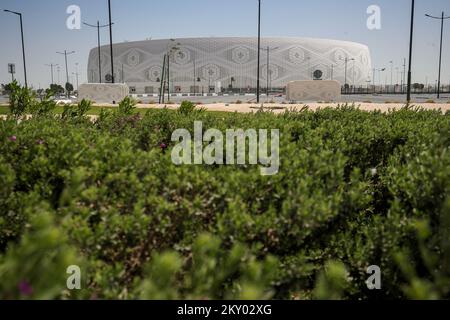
(259, 51)
(65, 53)
(268, 49)
(408, 96)
(373, 74)
(111, 42)
(379, 77)
(442, 18)
(23, 45)
(353, 76)
(392, 72)
(51, 65)
(162, 91)
(98, 26)
(76, 73)
(172, 49)
(59, 72)
(346, 64)
(193, 61)
(404, 76)
(309, 68)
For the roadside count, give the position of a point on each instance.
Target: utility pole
(161, 89)
(98, 26)
(373, 74)
(392, 72)
(268, 75)
(51, 65)
(404, 75)
(23, 45)
(111, 42)
(76, 73)
(442, 18)
(346, 64)
(59, 73)
(408, 97)
(193, 61)
(65, 53)
(259, 51)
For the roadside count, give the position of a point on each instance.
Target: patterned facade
(218, 64)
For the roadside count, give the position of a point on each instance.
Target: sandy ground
(278, 108)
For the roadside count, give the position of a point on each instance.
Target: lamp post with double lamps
(65, 53)
(442, 18)
(98, 27)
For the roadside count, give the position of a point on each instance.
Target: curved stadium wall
(220, 64)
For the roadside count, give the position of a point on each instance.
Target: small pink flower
(13, 138)
(25, 288)
(40, 142)
(163, 146)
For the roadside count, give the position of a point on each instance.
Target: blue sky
(46, 32)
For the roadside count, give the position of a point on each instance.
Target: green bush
(21, 99)
(354, 189)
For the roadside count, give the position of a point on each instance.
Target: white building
(221, 64)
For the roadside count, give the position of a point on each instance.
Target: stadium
(215, 65)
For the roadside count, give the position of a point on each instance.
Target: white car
(62, 101)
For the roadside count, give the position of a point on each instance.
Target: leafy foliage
(354, 189)
(20, 99)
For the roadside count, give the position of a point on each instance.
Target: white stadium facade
(206, 65)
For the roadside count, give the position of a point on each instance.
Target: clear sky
(46, 31)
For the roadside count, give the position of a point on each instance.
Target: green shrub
(36, 267)
(127, 106)
(354, 189)
(186, 107)
(21, 99)
(211, 273)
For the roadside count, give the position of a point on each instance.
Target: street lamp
(442, 18)
(193, 61)
(346, 64)
(51, 65)
(268, 75)
(58, 68)
(408, 97)
(65, 53)
(23, 44)
(76, 73)
(162, 91)
(111, 42)
(259, 50)
(172, 49)
(379, 76)
(392, 72)
(98, 26)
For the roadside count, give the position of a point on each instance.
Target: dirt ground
(278, 108)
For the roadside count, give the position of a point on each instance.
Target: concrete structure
(313, 90)
(205, 65)
(103, 93)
